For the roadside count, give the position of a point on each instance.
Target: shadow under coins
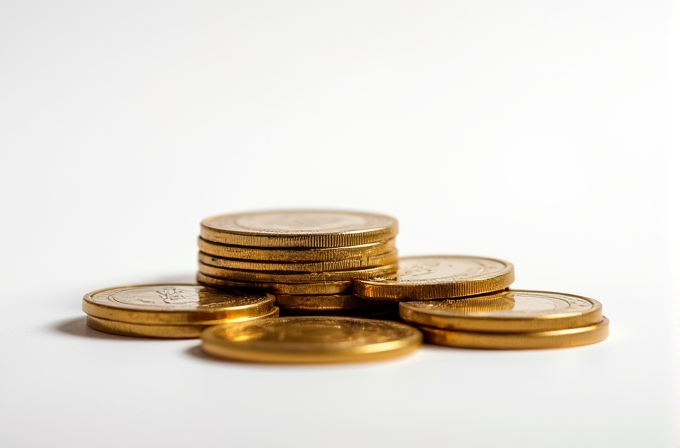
(78, 327)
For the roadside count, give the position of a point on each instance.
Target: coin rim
(294, 255)
(503, 323)
(312, 288)
(570, 337)
(179, 317)
(300, 239)
(188, 331)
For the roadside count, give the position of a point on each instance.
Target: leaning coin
(162, 331)
(299, 267)
(512, 311)
(299, 228)
(316, 339)
(264, 276)
(282, 255)
(439, 277)
(570, 337)
(316, 288)
(176, 304)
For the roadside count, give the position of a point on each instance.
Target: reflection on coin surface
(299, 228)
(318, 339)
(506, 312)
(175, 304)
(570, 337)
(162, 331)
(439, 277)
(281, 255)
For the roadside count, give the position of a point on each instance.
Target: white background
(541, 132)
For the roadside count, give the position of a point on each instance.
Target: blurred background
(544, 133)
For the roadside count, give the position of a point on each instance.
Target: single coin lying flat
(176, 307)
(299, 228)
(319, 339)
(439, 277)
(570, 337)
(512, 311)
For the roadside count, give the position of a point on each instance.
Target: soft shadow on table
(78, 327)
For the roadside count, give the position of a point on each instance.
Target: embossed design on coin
(173, 297)
(311, 339)
(523, 311)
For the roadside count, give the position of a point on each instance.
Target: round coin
(439, 277)
(299, 267)
(299, 228)
(161, 331)
(176, 304)
(361, 253)
(309, 277)
(326, 302)
(512, 311)
(317, 339)
(316, 288)
(570, 337)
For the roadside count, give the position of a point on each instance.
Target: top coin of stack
(297, 252)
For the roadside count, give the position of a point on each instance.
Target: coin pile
(308, 258)
(341, 266)
(172, 311)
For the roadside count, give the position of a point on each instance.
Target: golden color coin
(358, 253)
(326, 302)
(309, 277)
(299, 267)
(317, 288)
(176, 304)
(570, 337)
(316, 339)
(439, 277)
(512, 311)
(299, 228)
(162, 331)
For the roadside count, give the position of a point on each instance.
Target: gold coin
(313, 339)
(439, 277)
(299, 228)
(318, 288)
(299, 267)
(175, 304)
(513, 311)
(162, 331)
(326, 302)
(310, 277)
(359, 253)
(570, 337)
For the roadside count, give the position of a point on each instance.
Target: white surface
(537, 132)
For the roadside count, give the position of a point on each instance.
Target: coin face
(299, 228)
(177, 304)
(436, 277)
(308, 339)
(569, 337)
(509, 311)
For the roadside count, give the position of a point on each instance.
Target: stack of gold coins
(307, 258)
(172, 311)
(513, 319)
(462, 301)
